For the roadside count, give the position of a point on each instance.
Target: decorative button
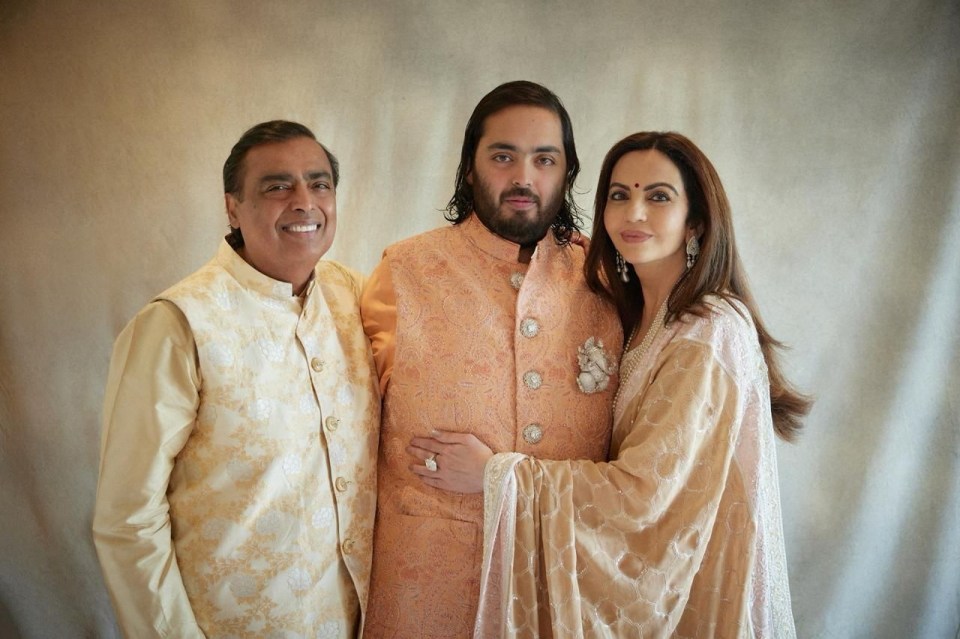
(516, 280)
(532, 380)
(533, 433)
(341, 484)
(316, 364)
(347, 546)
(529, 327)
(332, 423)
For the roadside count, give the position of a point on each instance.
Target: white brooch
(595, 366)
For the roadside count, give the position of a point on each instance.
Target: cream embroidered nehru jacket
(236, 493)
(468, 339)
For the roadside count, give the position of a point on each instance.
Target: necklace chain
(631, 358)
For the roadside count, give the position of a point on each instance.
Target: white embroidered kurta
(237, 485)
(679, 535)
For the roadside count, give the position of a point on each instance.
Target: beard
(521, 227)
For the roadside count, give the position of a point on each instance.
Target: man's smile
(301, 228)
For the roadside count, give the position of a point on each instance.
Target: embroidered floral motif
(596, 366)
(298, 579)
(260, 536)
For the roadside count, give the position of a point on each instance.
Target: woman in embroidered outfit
(680, 533)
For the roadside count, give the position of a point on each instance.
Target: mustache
(520, 192)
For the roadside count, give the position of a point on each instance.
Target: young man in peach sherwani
(485, 327)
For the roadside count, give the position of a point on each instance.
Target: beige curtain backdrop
(834, 125)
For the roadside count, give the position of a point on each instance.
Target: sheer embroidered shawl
(679, 534)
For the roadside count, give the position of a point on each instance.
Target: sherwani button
(532, 380)
(529, 327)
(341, 484)
(316, 364)
(533, 433)
(516, 280)
(332, 423)
(347, 546)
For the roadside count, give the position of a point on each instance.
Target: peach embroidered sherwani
(236, 494)
(468, 339)
(680, 534)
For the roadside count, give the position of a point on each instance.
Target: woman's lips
(635, 236)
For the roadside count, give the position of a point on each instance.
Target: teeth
(302, 228)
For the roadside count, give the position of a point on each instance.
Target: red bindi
(637, 185)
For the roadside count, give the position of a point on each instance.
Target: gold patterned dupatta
(678, 535)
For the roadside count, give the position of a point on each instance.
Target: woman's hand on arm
(460, 459)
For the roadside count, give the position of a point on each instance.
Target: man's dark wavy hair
(520, 92)
(257, 135)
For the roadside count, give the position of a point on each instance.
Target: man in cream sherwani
(484, 328)
(236, 493)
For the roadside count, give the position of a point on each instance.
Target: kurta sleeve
(614, 547)
(150, 406)
(378, 307)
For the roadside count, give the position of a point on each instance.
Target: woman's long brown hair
(717, 271)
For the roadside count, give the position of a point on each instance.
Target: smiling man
(236, 493)
(481, 328)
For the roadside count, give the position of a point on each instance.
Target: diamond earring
(693, 250)
(622, 268)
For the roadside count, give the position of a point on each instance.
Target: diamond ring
(431, 463)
